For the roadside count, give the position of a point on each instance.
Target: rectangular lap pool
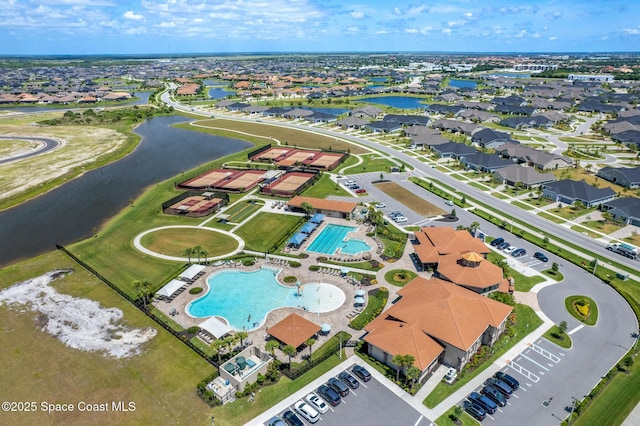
(334, 237)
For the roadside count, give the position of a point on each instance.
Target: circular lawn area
(399, 277)
(174, 241)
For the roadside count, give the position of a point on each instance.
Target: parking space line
(419, 420)
(539, 365)
(545, 353)
(526, 373)
(575, 329)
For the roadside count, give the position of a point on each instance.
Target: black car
(338, 386)
(503, 387)
(495, 395)
(329, 395)
(361, 372)
(519, 252)
(511, 381)
(291, 419)
(541, 256)
(349, 380)
(475, 410)
(504, 245)
(497, 242)
(483, 401)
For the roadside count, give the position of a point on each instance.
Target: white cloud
(446, 31)
(397, 11)
(553, 38)
(132, 15)
(166, 25)
(357, 15)
(536, 35)
(424, 30)
(552, 16)
(631, 31)
(135, 30)
(456, 23)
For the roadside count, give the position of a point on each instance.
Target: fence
(138, 303)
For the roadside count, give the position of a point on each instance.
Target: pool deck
(338, 319)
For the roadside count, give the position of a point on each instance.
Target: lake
(463, 84)
(75, 210)
(143, 99)
(219, 93)
(404, 102)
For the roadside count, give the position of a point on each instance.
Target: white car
(401, 219)
(510, 249)
(318, 403)
(449, 202)
(349, 182)
(306, 411)
(381, 205)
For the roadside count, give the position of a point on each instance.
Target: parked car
(349, 379)
(511, 381)
(503, 387)
(291, 419)
(394, 214)
(306, 411)
(451, 375)
(401, 219)
(275, 421)
(497, 242)
(354, 187)
(519, 252)
(316, 402)
(361, 191)
(381, 205)
(475, 410)
(504, 245)
(449, 202)
(541, 256)
(495, 395)
(329, 395)
(510, 249)
(338, 386)
(349, 182)
(361, 372)
(483, 401)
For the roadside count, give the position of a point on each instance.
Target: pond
(404, 102)
(463, 84)
(219, 93)
(75, 210)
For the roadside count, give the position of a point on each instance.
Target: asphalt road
(48, 145)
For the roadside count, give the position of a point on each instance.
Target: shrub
(195, 290)
(294, 264)
(314, 268)
(193, 330)
(289, 279)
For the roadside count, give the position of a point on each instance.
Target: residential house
(453, 150)
(534, 157)
(629, 177)
(528, 177)
(484, 162)
(366, 111)
(570, 191)
(624, 209)
(489, 138)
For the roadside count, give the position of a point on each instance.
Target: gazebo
(294, 330)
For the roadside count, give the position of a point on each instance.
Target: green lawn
(173, 241)
(323, 188)
(375, 305)
(240, 211)
(561, 339)
(591, 305)
(465, 419)
(399, 277)
(372, 164)
(267, 230)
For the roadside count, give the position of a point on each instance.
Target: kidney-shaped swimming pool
(244, 299)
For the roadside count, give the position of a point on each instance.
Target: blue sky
(210, 26)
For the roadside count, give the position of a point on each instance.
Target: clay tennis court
(288, 184)
(297, 156)
(271, 154)
(409, 199)
(195, 206)
(325, 161)
(244, 180)
(208, 179)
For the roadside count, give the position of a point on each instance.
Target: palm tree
(474, 227)
(413, 373)
(407, 361)
(216, 345)
(289, 351)
(198, 250)
(241, 335)
(187, 252)
(204, 253)
(310, 342)
(271, 347)
(143, 287)
(308, 208)
(397, 360)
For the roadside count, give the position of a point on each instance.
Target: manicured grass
(561, 339)
(523, 206)
(615, 402)
(160, 380)
(552, 218)
(571, 304)
(527, 321)
(399, 277)
(320, 351)
(555, 275)
(241, 411)
(287, 136)
(372, 164)
(240, 211)
(267, 230)
(174, 241)
(324, 187)
(375, 305)
(464, 420)
(523, 282)
(600, 226)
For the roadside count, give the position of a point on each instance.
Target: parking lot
(534, 368)
(371, 403)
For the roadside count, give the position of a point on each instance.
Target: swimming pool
(245, 298)
(333, 237)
